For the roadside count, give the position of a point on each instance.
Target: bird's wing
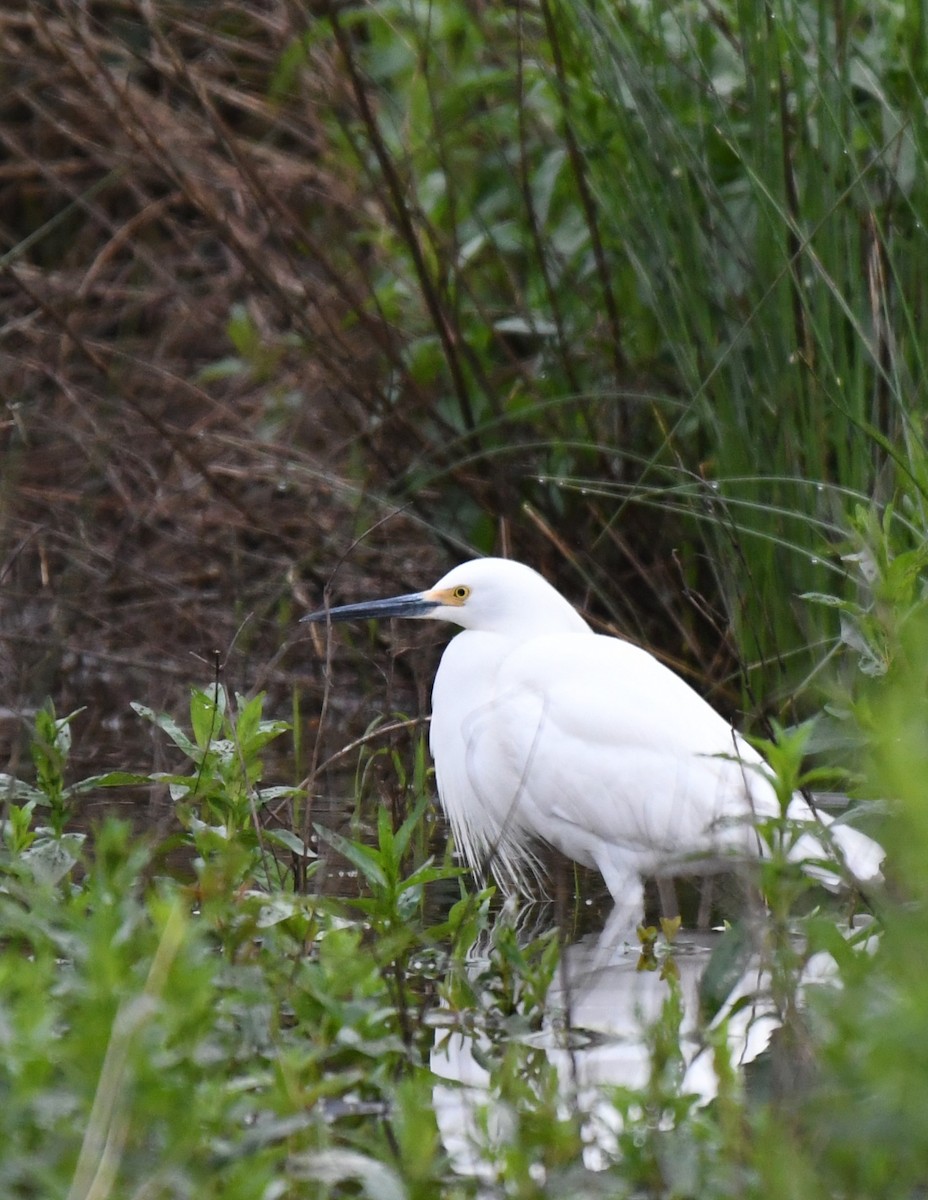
(589, 741)
(594, 746)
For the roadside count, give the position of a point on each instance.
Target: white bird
(546, 732)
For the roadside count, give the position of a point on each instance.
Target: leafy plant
(396, 897)
(650, 274)
(219, 802)
(630, 293)
(49, 851)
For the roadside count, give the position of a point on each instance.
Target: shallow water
(593, 1033)
(596, 1032)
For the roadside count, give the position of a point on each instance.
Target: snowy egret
(546, 732)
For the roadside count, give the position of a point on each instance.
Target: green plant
(219, 802)
(395, 910)
(49, 851)
(396, 897)
(653, 274)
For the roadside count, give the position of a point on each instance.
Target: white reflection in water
(597, 1012)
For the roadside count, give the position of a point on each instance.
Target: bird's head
(492, 595)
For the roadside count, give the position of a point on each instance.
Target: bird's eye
(461, 592)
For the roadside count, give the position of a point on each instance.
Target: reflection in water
(598, 1010)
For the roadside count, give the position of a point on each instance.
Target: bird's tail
(860, 855)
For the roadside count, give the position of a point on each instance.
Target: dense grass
(634, 291)
(682, 247)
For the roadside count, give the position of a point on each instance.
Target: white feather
(544, 731)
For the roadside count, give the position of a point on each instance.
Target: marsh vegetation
(332, 295)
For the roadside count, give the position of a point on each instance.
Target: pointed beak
(416, 604)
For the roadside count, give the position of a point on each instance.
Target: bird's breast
(464, 683)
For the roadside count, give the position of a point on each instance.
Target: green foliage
(105, 992)
(219, 802)
(236, 1041)
(636, 260)
(148, 1045)
(655, 271)
(777, 275)
(872, 1034)
(511, 980)
(48, 852)
(889, 559)
(395, 898)
(227, 740)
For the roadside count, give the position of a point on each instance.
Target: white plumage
(543, 731)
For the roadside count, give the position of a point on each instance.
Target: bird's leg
(667, 890)
(627, 890)
(706, 896)
(619, 935)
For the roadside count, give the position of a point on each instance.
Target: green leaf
(206, 713)
(282, 792)
(825, 599)
(389, 852)
(726, 968)
(366, 860)
(289, 841)
(51, 858)
(168, 725)
(405, 831)
(110, 779)
(248, 720)
(428, 873)
(14, 789)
